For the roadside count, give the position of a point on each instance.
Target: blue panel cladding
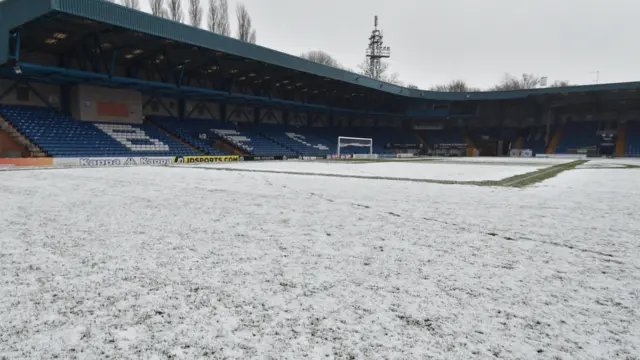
(19, 12)
(4, 43)
(14, 13)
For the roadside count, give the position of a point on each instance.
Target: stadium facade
(85, 79)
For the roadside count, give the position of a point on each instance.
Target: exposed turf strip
(517, 181)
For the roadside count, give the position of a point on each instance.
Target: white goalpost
(345, 141)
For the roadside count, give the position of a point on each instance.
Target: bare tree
(560, 83)
(214, 13)
(366, 70)
(195, 13)
(320, 57)
(134, 4)
(245, 31)
(156, 7)
(223, 27)
(393, 78)
(510, 82)
(411, 86)
(175, 10)
(455, 86)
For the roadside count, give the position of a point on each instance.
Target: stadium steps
(622, 139)
(266, 136)
(18, 137)
(470, 145)
(225, 146)
(519, 143)
(553, 144)
(169, 133)
(420, 138)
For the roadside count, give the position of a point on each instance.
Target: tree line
(508, 82)
(215, 15)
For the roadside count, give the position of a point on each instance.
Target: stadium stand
(62, 136)
(445, 136)
(113, 90)
(577, 136)
(535, 139)
(194, 132)
(633, 139)
(301, 140)
(251, 142)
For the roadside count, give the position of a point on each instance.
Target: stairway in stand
(519, 143)
(30, 147)
(551, 149)
(621, 141)
(470, 145)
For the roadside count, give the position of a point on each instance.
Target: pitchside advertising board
(204, 159)
(521, 153)
(108, 162)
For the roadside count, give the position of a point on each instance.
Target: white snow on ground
(609, 163)
(184, 263)
(402, 169)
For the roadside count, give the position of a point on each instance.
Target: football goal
(355, 145)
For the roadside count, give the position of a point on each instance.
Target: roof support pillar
(181, 78)
(112, 66)
(65, 99)
(14, 46)
(182, 109)
(223, 111)
(97, 57)
(233, 84)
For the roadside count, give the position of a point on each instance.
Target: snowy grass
(521, 179)
(160, 263)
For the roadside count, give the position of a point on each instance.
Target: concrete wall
(341, 121)
(201, 110)
(271, 116)
(98, 104)
(319, 121)
(51, 93)
(155, 108)
(239, 113)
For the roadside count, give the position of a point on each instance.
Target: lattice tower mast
(376, 51)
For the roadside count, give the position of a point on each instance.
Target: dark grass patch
(517, 181)
(537, 176)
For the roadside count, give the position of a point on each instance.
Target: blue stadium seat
(302, 141)
(251, 141)
(195, 132)
(445, 136)
(535, 139)
(632, 143)
(62, 136)
(578, 136)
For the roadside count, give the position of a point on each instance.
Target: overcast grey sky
(433, 42)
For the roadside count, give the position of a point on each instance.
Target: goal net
(352, 145)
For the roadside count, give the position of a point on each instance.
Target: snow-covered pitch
(195, 263)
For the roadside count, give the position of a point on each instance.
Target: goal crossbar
(344, 141)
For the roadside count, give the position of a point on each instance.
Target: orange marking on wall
(113, 109)
(27, 162)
